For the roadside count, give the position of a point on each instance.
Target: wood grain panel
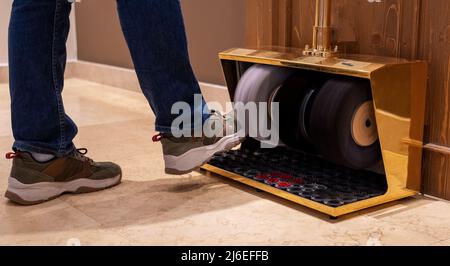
(413, 29)
(271, 22)
(283, 11)
(302, 22)
(435, 180)
(388, 28)
(434, 47)
(260, 22)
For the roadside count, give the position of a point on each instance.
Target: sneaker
(32, 182)
(186, 154)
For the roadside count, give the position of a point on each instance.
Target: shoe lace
(81, 154)
(78, 153)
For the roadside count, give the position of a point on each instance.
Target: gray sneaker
(185, 154)
(32, 182)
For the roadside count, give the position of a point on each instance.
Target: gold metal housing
(399, 90)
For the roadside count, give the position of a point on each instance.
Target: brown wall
(400, 28)
(211, 26)
(5, 12)
(99, 37)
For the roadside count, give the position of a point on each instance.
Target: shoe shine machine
(351, 126)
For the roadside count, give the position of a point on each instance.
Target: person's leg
(155, 34)
(42, 130)
(38, 31)
(154, 31)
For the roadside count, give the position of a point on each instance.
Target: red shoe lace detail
(157, 138)
(12, 155)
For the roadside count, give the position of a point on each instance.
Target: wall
(5, 10)
(71, 46)
(211, 26)
(99, 36)
(415, 29)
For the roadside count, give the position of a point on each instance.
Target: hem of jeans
(169, 130)
(163, 129)
(32, 148)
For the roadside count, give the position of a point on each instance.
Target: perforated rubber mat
(303, 174)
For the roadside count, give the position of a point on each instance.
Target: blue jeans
(38, 30)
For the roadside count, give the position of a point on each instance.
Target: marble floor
(152, 208)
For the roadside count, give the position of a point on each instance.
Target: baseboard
(436, 198)
(4, 71)
(445, 150)
(122, 78)
(126, 79)
(104, 74)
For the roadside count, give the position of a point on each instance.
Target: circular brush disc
(342, 123)
(295, 98)
(258, 85)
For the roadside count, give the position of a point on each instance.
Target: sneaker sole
(32, 194)
(195, 158)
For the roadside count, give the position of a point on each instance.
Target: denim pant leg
(38, 32)
(155, 33)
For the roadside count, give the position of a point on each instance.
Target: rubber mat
(303, 174)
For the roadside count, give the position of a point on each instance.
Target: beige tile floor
(151, 208)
